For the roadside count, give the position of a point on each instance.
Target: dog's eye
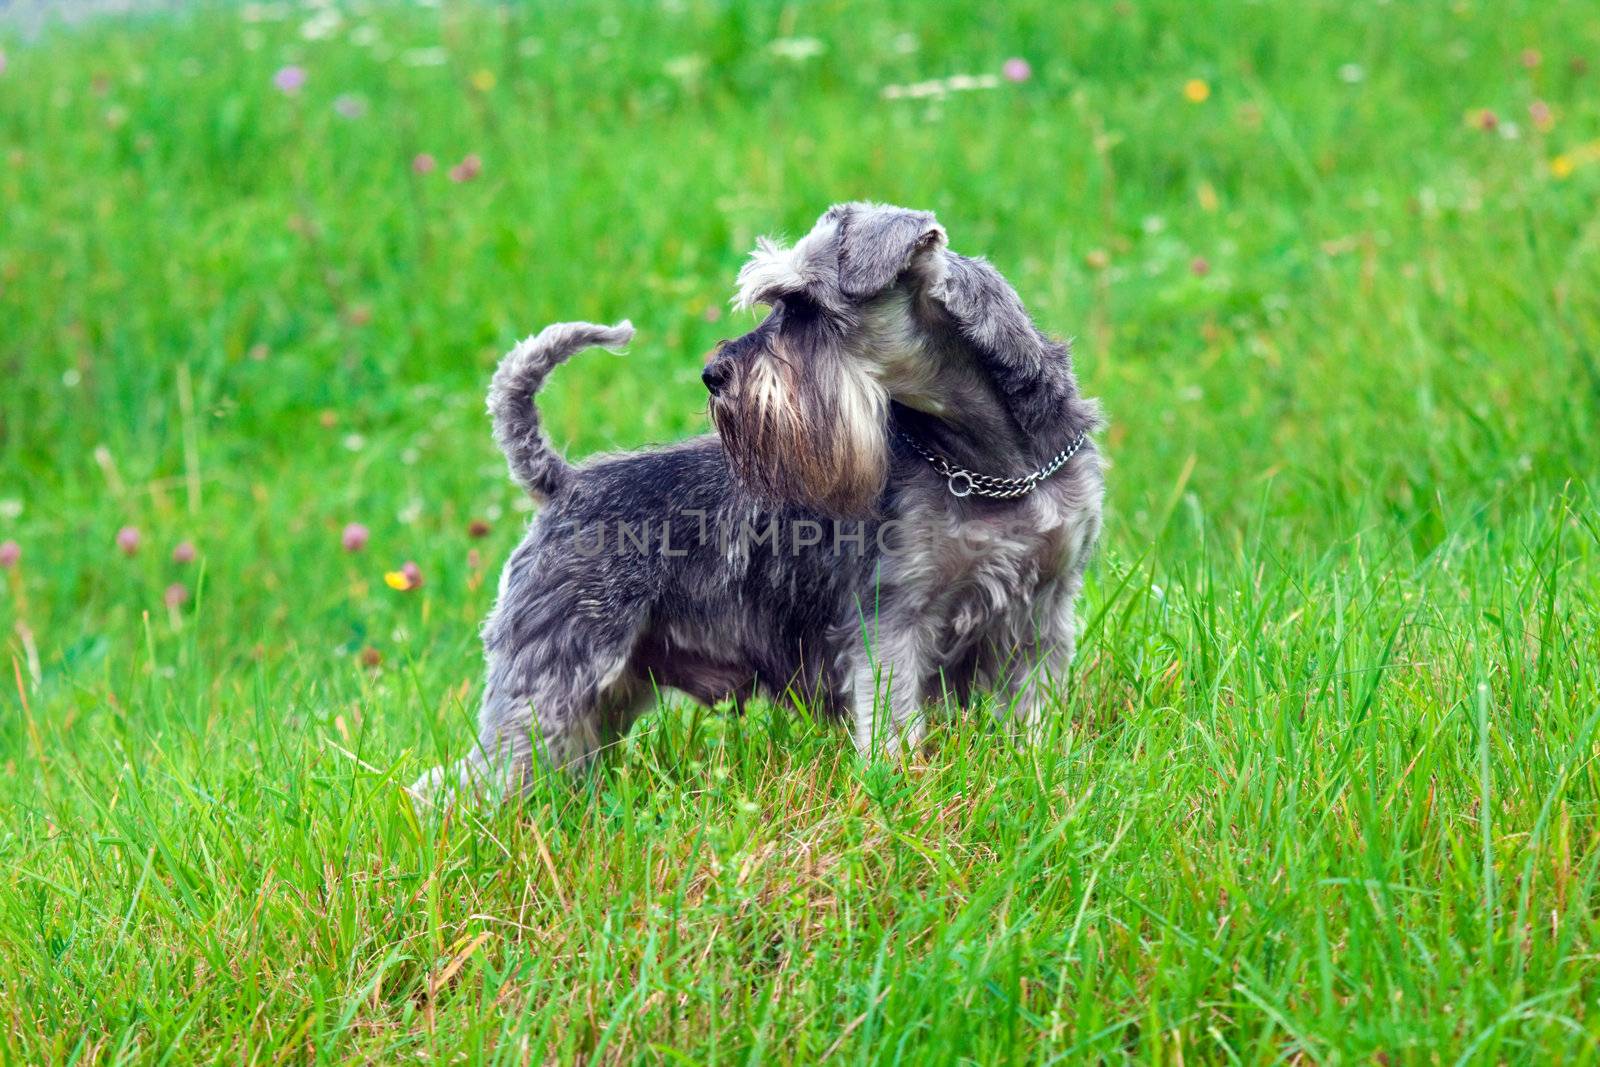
(796, 306)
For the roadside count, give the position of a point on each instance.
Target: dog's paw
(473, 782)
(445, 786)
(425, 791)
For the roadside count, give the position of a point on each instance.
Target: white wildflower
(960, 83)
(425, 57)
(939, 87)
(686, 68)
(322, 25)
(797, 49)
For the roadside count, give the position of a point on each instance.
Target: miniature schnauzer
(893, 516)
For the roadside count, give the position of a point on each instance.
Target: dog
(893, 516)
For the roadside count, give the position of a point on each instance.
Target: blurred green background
(1323, 789)
(1326, 278)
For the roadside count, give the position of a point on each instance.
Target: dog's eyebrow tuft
(774, 271)
(767, 276)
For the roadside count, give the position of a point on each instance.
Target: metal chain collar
(962, 482)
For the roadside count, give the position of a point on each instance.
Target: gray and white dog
(894, 514)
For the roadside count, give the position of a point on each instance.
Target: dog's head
(871, 307)
(802, 401)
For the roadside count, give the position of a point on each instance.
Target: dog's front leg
(888, 710)
(1034, 683)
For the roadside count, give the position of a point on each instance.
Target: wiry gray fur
(534, 464)
(876, 330)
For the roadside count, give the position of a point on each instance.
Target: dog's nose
(715, 376)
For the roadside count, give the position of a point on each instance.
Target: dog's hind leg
(559, 722)
(562, 685)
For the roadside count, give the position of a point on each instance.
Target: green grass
(1324, 786)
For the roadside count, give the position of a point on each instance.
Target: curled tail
(534, 464)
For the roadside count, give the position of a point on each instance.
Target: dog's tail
(534, 464)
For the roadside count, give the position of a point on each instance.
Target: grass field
(1326, 789)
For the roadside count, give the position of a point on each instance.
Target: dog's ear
(877, 244)
(1032, 370)
(990, 314)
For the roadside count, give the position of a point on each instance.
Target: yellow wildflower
(1196, 91)
(406, 578)
(483, 80)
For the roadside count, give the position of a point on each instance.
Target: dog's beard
(811, 433)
